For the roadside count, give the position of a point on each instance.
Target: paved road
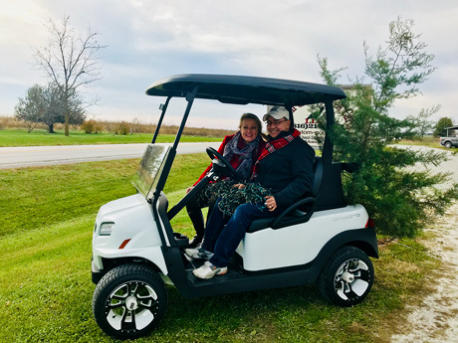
(19, 157)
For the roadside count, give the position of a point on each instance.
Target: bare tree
(423, 120)
(69, 61)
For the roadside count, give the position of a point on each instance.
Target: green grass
(429, 141)
(38, 197)
(20, 137)
(45, 287)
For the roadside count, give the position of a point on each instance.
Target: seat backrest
(317, 175)
(316, 185)
(330, 192)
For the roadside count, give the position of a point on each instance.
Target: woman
(241, 149)
(284, 167)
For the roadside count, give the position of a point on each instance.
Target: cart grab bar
(306, 201)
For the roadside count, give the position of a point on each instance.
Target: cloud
(149, 40)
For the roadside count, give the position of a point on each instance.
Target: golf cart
(319, 240)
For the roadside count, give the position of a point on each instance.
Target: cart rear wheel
(347, 278)
(129, 301)
(448, 145)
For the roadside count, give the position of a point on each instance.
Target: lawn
(46, 220)
(20, 137)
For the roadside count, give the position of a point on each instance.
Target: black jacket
(288, 172)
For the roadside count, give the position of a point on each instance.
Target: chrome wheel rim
(352, 279)
(131, 306)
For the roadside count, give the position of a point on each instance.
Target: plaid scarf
(273, 146)
(244, 154)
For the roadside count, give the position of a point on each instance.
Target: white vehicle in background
(319, 240)
(451, 138)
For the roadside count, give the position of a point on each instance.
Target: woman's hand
(270, 203)
(239, 185)
(189, 189)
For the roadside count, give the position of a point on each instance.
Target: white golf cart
(319, 240)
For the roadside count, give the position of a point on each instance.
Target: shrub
(88, 126)
(123, 128)
(113, 127)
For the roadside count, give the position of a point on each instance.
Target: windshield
(151, 165)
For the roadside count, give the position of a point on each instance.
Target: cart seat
(297, 213)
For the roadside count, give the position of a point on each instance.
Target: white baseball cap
(276, 112)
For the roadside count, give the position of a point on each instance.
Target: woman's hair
(252, 117)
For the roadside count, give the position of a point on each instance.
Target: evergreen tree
(398, 196)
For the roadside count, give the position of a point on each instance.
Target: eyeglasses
(275, 122)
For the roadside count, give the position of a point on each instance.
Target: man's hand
(189, 189)
(239, 185)
(270, 203)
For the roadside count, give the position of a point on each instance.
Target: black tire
(448, 145)
(347, 278)
(129, 301)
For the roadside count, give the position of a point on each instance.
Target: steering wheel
(228, 168)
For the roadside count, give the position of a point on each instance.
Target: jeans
(223, 239)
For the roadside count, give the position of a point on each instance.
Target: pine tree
(399, 196)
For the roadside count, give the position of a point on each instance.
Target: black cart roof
(246, 89)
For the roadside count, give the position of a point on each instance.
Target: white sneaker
(198, 254)
(208, 270)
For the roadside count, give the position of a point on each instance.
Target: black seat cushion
(295, 218)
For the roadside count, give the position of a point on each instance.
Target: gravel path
(436, 319)
(450, 166)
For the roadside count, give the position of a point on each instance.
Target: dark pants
(223, 239)
(194, 209)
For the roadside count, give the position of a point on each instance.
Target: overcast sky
(150, 40)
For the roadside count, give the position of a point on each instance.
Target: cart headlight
(105, 228)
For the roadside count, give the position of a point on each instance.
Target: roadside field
(429, 141)
(20, 137)
(46, 221)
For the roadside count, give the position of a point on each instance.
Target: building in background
(308, 127)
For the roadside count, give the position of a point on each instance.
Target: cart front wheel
(129, 301)
(347, 278)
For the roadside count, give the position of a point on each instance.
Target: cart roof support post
(171, 156)
(159, 123)
(190, 99)
(328, 143)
